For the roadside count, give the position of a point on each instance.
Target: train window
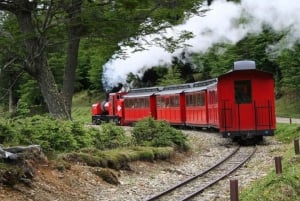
(200, 99)
(139, 103)
(147, 102)
(242, 90)
(160, 102)
(193, 100)
(188, 100)
(174, 101)
(167, 102)
(126, 102)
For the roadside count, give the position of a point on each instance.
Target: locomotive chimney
(106, 95)
(244, 65)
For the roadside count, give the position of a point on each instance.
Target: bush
(7, 133)
(149, 132)
(111, 136)
(51, 134)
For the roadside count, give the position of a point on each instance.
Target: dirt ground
(51, 184)
(74, 184)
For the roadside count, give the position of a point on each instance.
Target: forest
(53, 49)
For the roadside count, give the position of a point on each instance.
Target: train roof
(174, 89)
(205, 83)
(201, 85)
(142, 92)
(244, 65)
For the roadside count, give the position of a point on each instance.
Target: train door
(236, 105)
(244, 104)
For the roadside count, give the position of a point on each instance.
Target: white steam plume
(220, 24)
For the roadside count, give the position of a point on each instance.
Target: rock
(20, 164)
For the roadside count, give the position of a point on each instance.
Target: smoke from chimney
(220, 24)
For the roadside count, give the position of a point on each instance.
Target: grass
(288, 107)
(283, 187)
(82, 103)
(287, 132)
(118, 158)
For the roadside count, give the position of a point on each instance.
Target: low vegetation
(105, 146)
(158, 134)
(285, 186)
(288, 106)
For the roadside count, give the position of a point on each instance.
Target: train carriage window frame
(242, 91)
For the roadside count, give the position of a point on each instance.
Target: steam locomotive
(240, 104)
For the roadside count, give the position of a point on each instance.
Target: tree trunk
(36, 64)
(70, 70)
(10, 98)
(54, 100)
(74, 33)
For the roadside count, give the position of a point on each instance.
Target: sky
(219, 24)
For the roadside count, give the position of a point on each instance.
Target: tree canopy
(44, 38)
(51, 49)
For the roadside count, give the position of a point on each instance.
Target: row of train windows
(242, 95)
(137, 102)
(172, 101)
(195, 99)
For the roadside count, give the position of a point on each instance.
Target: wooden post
(296, 145)
(234, 190)
(278, 165)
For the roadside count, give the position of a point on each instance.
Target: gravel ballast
(147, 179)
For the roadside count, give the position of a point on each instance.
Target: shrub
(158, 133)
(7, 133)
(51, 134)
(111, 136)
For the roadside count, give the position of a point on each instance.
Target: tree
(172, 77)
(46, 25)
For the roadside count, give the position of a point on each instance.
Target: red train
(240, 104)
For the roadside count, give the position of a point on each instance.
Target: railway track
(193, 186)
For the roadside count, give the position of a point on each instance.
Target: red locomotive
(240, 104)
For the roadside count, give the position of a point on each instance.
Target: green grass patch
(282, 187)
(279, 187)
(82, 103)
(118, 158)
(288, 107)
(287, 132)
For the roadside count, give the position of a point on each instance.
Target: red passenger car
(171, 104)
(139, 103)
(246, 102)
(196, 103)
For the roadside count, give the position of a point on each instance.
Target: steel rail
(193, 177)
(199, 190)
